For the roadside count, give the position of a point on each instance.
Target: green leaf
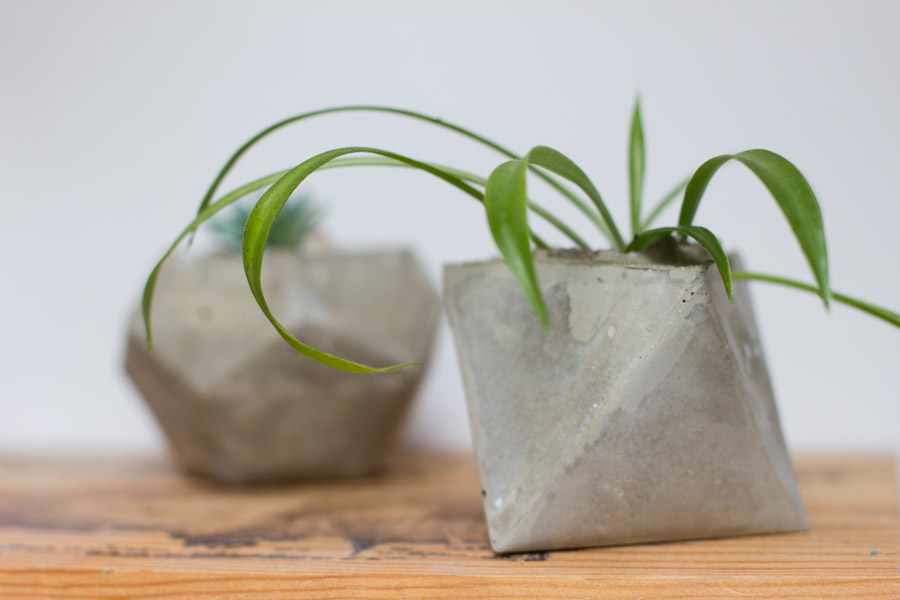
(259, 232)
(206, 214)
(233, 159)
(636, 160)
(792, 193)
(470, 178)
(505, 201)
(876, 311)
(704, 236)
(556, 162)
(663, 203)
(259, 225)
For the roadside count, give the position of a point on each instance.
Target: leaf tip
(148, 335)
(393, 368)
(146, 306)
(540, 311)
(727, 281)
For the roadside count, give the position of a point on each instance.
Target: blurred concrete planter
(644, 414)
(239, 405)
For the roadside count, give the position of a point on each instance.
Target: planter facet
(239, 405)
(644, 414)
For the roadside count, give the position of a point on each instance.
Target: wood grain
(137, 528)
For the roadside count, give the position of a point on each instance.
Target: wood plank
(137, 528)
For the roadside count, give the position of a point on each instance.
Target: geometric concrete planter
(239, 405)
(644, 414)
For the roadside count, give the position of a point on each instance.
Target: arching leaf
(235, 157)
(469, 178)
(790, 190)
(505, 201)
(206, 214)
(704, 236)
(878, 312)
(259, 224)
(557, 162)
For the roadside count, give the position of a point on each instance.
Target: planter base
(644, 414)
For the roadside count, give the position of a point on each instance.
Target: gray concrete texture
(240, 405)
(644, 414)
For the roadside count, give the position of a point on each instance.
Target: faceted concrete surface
(644, 414)
(239, 405)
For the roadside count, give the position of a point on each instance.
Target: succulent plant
(295, 222)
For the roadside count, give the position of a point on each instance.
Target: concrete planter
(239, 405)
(645, 414)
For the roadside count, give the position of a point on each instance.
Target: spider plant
(295, 222)
(507, 206)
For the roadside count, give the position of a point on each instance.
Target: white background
(114, 116)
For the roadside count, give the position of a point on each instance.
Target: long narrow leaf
(636, 161)
(248, 189)
(704, 236)
(505, 201)
(469, 178)
(558, 223)
(871, 309)
(233, 159)
(206, 214)
(263, 215)
(792, 193)
(664, 203)
(556, 162)
(259, 233)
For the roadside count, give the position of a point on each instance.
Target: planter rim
(677, 258)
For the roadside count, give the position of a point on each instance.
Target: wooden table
(137, 528)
